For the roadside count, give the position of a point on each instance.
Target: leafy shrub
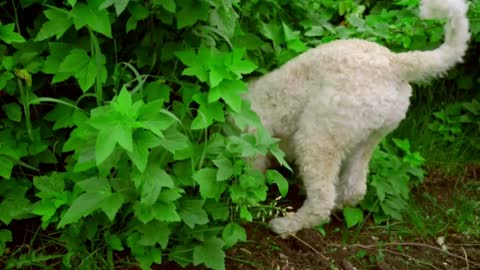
(112, 123)
(459, 121)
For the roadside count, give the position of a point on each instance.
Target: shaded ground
(374, 247)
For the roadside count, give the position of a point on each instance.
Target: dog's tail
(422, 65)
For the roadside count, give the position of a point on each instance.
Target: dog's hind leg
(352, 185)
(319, 158)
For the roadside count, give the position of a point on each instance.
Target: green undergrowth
(121, 123)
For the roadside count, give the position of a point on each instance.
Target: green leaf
(58, 23)
(210, 253)
(114, 242)
(45, 208)
(49, 186)
(89, 15)
(274, 176)
(225, 169)
(81, 66)
(8, 35)
(166, 4)
(4, 78)
(217, 210)
(95, 184)
(245, 214)
(120, 5)
(154, 232)
(112, 204)
(232, 234)
(139, 155)
(353, 216)
(123, 102)
(239, 66)
(230, 91)
(209, 187)
(13, 111)
(192, 213)
(105, 144)
(166, 212)
(6, 166)
(82, 206)
(5, 236)
(123, 135)
(151, 182)
(191, 12)
(207, 113)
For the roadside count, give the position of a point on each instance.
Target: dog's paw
(285, 226)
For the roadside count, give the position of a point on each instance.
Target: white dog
(333, 104)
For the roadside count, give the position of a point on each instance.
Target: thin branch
(373, 248)
(312, 248)
(466, 258)
(411, 244)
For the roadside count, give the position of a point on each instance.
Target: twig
(466, 258)
(466, 245)
(411, 244)
(312, 248)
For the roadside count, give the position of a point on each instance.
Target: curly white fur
(332, 105)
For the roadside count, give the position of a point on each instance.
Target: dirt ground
(373, 248)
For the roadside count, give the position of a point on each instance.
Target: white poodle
(333, 104)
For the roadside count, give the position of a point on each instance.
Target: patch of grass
(452, 209)
(450, 155)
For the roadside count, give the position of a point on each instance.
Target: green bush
(113, 126)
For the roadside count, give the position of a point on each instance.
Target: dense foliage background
(114, 130)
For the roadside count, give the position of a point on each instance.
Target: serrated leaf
(192, 213)
(233, 233)
(58, 23)
(13, 111)
(112, 204)
(282, 183)
(8, 35)
(6, 166)
(45, 208)
(207, 113)
(217, 210)
(166, 4)
(90, 15)
(123, 135)
(166, 212)
(154, 232)
(82, 206)
(5, 237)
(245, 214)
(95, 184)
(4, 78)
(139, 155)
(230, 91)
(151, 183)
(209, 187)
(225, 169)
(114, 242)
(353, 216)
(49, 186)
(120, 6)
(210, 253)
(191, 12)
(104, 146)
(81, 66)
(123, 102)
